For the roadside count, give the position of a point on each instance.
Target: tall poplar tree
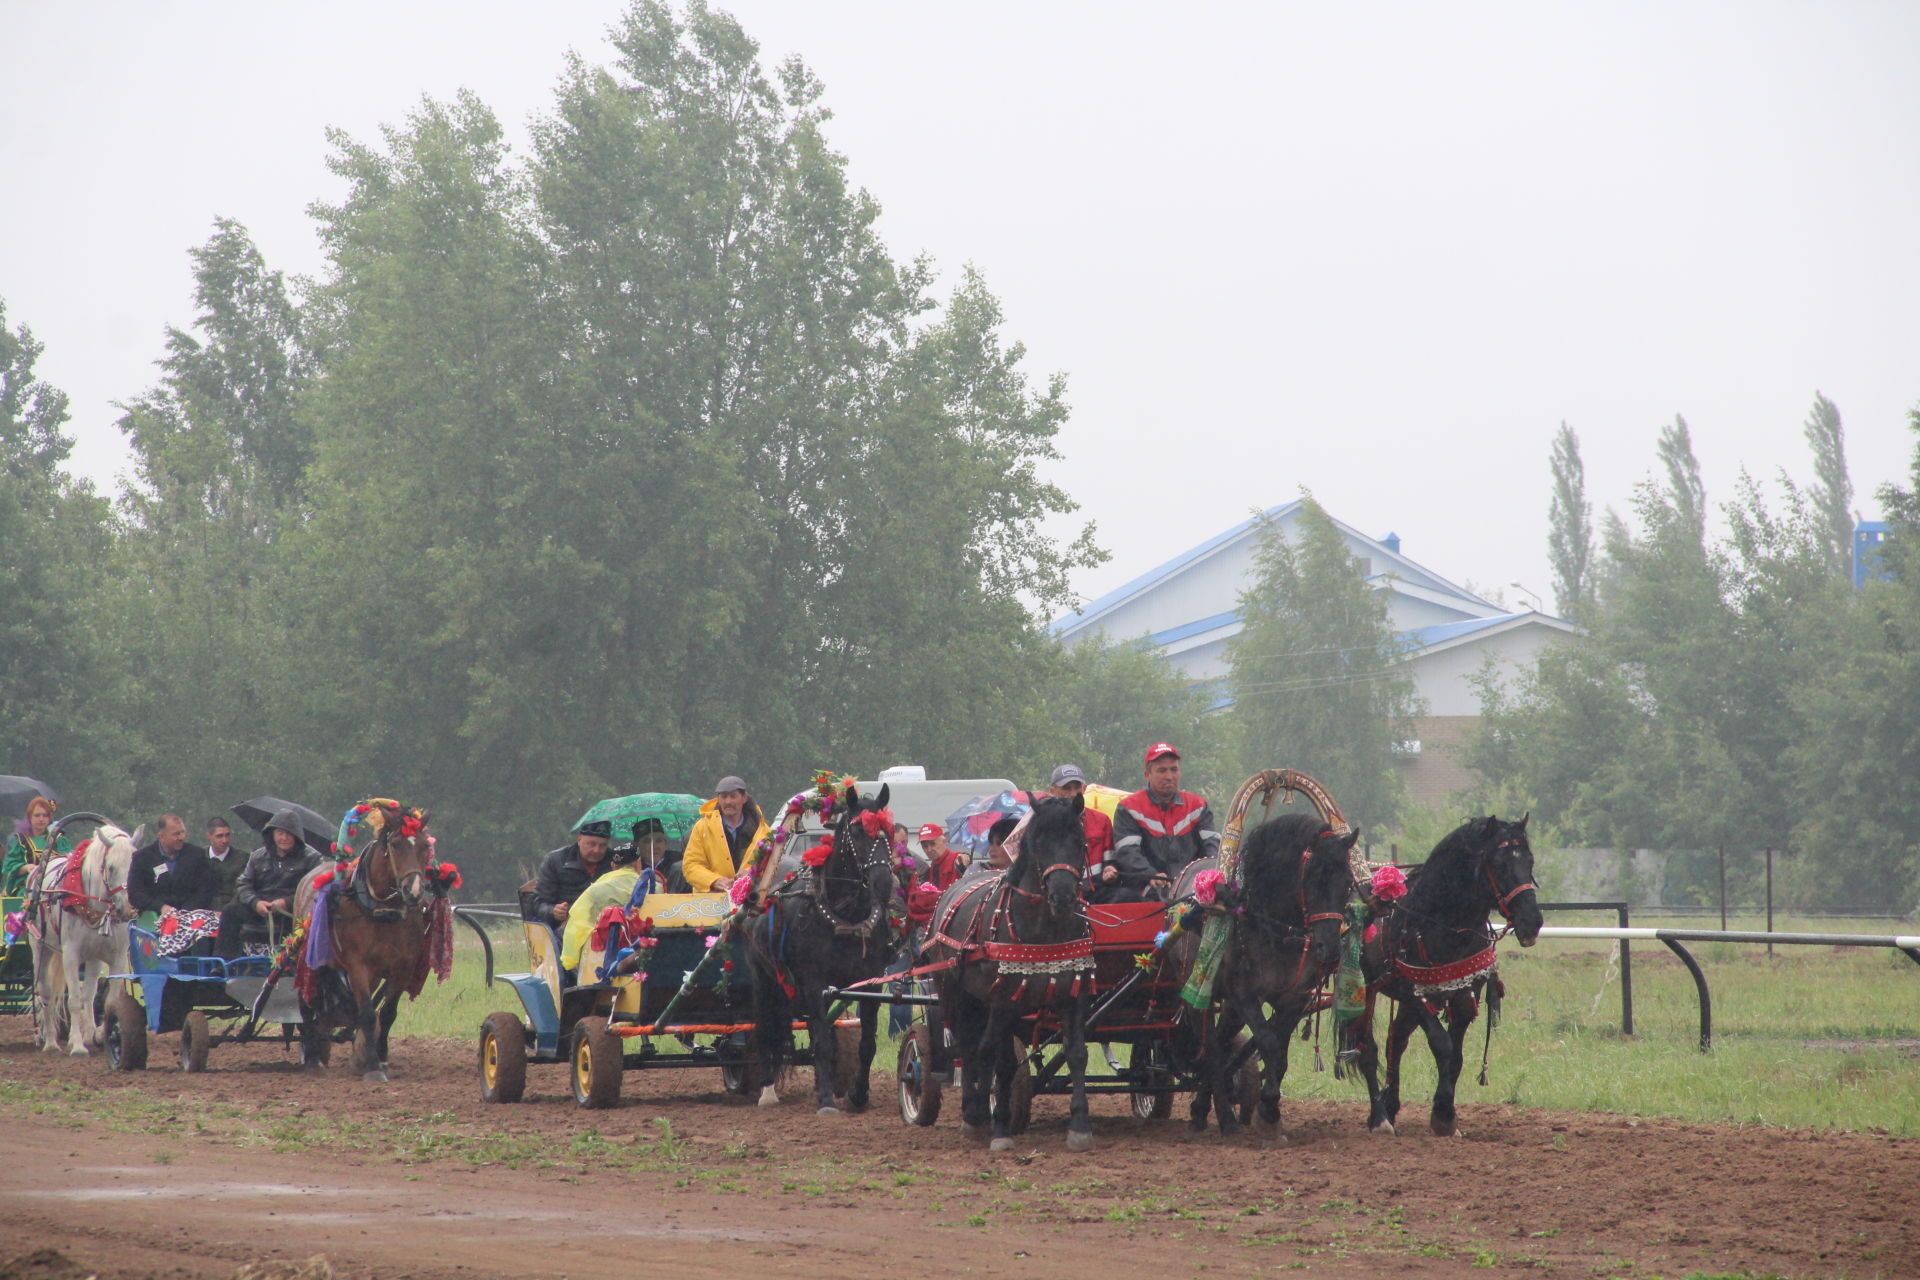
(1831, 490)
(1570, 528)
(1317, 674)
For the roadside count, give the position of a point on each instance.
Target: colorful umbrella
(675, 812)
(968, 825)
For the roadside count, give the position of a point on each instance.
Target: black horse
(827, 928)
(1020, 946)
(1434, 953)
(1295, 879)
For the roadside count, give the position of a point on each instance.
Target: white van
(917, 799)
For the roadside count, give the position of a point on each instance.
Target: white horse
(76, 944)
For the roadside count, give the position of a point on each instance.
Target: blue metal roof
(1193, 628)
(1425, 637)
(1094, 608)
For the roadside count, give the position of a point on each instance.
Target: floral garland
(376, 813)
(287, 958)
(634, 935)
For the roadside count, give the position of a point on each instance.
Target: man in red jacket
(1067, 782)
(1157, 831)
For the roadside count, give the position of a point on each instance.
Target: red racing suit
(1151, 839)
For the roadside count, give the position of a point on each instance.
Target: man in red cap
(1156, 831)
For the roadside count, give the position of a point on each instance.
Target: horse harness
(360, 884)
(74, 897)
(991, 934)
(1430, 979)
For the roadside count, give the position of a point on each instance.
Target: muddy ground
(254, 1167)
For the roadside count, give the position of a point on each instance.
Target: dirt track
(161, 1173)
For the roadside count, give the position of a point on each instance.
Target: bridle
(1503, 902)
(1311, 918)
(875, 855)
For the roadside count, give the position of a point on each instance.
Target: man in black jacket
(172, 873)
(567, 871)
(274, 871)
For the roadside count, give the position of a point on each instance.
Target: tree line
(1730, 691)
(615, 466)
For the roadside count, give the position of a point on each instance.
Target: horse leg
(1270, 1040)
(50, 989)
(820, 1031)
(366, 1015)
(1079, 1122)
(1461, 1009)
(857, 1092)
(1406, 1015)
(85, 1031)
(1213, 1093)
(997, 1058)
(970, 1037)
(389, 1010)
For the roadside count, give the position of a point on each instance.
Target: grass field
(1816, 1037)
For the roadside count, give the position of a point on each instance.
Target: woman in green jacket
(30, 847)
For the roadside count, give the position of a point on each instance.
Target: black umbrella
(16, 793)
(314, 829)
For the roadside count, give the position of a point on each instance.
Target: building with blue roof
(1188, 609)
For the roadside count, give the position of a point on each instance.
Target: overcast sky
(1377, 250)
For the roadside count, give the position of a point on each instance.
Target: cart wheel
(1148, 1063)
(919, 1091)
(846, 1059)
(195, 1039)
(503, 1058)
(1022, 1089)
(126, 1033)
(740, 1076)
(596, 1065)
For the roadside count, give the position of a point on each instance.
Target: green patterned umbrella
(676, 814)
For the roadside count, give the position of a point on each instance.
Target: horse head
(1506, 862)
(401, 852)
(1053, 854)
(859, 871)
(116, 865)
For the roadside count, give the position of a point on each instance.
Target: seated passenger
(613, 889)
(273, 873)
(723, 838)
(1157, 831)
(568, 870)
(170, 872)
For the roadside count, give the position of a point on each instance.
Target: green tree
(57, 665)
(1685, 493)
(1570, 528)
(1832, 490)
(1317, 673)
(220, 454)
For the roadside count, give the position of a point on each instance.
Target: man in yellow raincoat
(723, 838)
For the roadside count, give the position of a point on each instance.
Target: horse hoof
(375, 1077)
(768, 1097)
(1444, 1129)
(1000, 1144)
(1079, 1141)
(1384, 1129)
(828, 1111)
(974, 1132)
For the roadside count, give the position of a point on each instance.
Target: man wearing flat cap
(723, 838)
(1067, 782)
(567, 871)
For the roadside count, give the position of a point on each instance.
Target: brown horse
(372, 923)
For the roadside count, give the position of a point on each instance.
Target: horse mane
(1269, 862)
(1445, 880)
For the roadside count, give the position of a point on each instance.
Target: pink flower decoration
(737, 894)
(711, 939)
(1206, 886)
(1389, 882)
(927, 888)
(1373, 931)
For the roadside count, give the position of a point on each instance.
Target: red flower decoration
(877, 823)
(817, 856)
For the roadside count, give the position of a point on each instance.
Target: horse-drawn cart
(207, 1000)
(688, 1004)
(1134, 1011)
